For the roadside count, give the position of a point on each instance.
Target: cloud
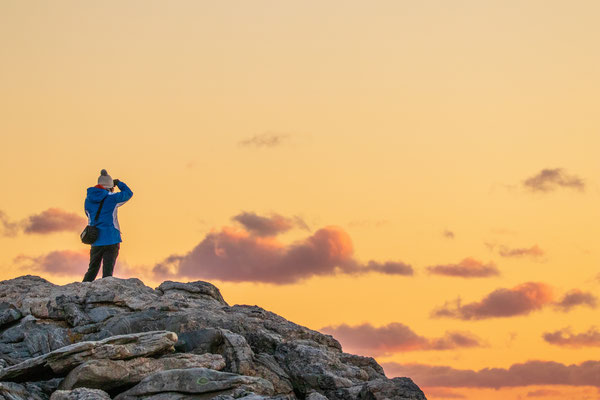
(523, 374)
(267, 139)
(69, 263)
(388, 267)
(368, 340)
(49, 221)
(564, 337)
(60, 262)
(520, 300)
(268, 226)
(548, 180)
(54, 220)
(533, 251)
(448, 234)
(467, 268)
(576, 298)
(236, 255)
(8, 228)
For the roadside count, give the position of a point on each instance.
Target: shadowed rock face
(119, 338)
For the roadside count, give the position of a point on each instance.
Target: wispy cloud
(448, 234)
(240, 255)
(267, 139)
(70, 263)
(467, 268)
(533, 251)
(566, 338)
(576, 298)
(268, 226)
(49, 221)
(59, 263)
(523, 374)
(519, 300)
(54, 220)
(8, 228)
(548, 180)
(368, 340)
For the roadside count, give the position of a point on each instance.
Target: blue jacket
(107, 223)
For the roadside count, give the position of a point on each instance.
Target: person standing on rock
(106, 247)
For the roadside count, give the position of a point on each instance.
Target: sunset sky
(417, 178)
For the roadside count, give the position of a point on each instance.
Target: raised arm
(124, 194)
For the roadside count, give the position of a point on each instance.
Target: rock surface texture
(117, 338)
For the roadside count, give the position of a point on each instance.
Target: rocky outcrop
(119, 338)
(80, 394)
(120, 347)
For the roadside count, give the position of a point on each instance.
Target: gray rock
(28, 390)
(80, 394)
(267, 367)
(315, 396)
(253, 342)
(8, 314)
(15, 391)
(195, 381)
(112, 374)
(61, 361)
(198, 289)
(397, 388)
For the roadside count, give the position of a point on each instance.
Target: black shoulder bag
(90, 233)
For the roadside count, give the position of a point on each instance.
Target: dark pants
(108, 255)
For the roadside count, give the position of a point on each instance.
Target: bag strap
(99, 208)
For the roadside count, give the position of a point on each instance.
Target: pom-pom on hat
(105, 180)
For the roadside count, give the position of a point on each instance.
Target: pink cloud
(368, 340)
(551, 179)
(576, 298)
(566, 338)
(54, 220)
(467, 268)
(267, 226)
(238, 256)
(533, 251)
(60, 262)
(520, 300)
(523, 374)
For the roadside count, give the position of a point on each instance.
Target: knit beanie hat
(105, 180)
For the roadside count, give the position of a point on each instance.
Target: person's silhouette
(106, 247)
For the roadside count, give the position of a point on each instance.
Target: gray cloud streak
(548, 180)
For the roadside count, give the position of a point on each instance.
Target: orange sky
(412, 135)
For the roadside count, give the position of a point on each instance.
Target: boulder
(61, 361)
(8, 314)
(397, 388)
(195, 381)
(113, 374)
(80, 394)
(28, 390)
(15, 391)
